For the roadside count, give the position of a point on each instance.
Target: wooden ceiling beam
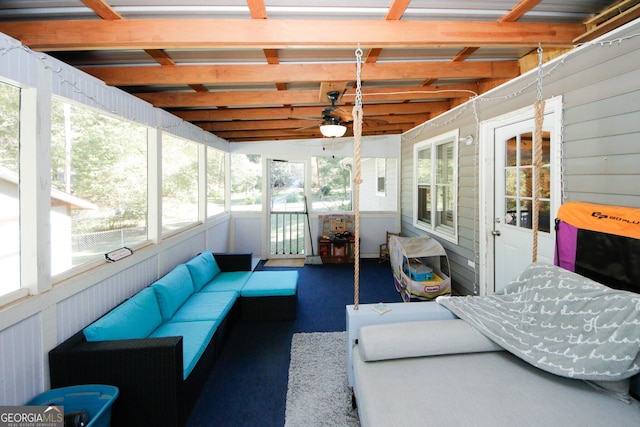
(250, 98)
(326, 87)
(519, 10)
(263, 73)
(395, 12)
(407, 93)
(102, 9)
(282, 33)
(627, 16)
(312, 111)
(105, 11)
(267, 134)
(257, 9)
(256, 124)
(516, 13)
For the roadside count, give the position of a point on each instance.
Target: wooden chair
(384, 248)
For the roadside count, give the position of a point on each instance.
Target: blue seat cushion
(228, 281)
(206, 306)
(137, 317)
(203, 268)
(173, 290)
(271, 283)
(195, 338)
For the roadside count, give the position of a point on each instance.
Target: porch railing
(287, 233)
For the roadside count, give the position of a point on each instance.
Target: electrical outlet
(471, 264)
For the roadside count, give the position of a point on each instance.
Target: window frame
(79, 109)
(225, 181)
(436, 227)
(12, 223)
(185, 223)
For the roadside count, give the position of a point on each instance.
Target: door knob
(495, 232)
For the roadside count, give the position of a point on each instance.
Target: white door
(514, 183)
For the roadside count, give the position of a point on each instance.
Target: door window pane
(526, 149)
(287, 186)
(526, 182)
(511, 181)
(520, 181)
(511, 148)
(511, 211)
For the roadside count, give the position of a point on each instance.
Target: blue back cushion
(137, 317)
(173, 290)
(203, 268)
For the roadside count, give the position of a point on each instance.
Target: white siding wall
(21, 369)
(370, 200)
(80, 309)
(600, 86)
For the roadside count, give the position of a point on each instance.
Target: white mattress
(479, 389)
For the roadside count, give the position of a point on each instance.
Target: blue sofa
(159, 346)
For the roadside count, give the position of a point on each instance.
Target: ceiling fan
(333, 119)
(334, 112)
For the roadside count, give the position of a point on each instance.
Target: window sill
(453, 238)
(13, 297)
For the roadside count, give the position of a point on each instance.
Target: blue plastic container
(96, 399)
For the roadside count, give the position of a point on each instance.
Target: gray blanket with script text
(560, 322)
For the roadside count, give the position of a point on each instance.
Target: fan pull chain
(357, 180)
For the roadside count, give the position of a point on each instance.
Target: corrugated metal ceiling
(335, 15)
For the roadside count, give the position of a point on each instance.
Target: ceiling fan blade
(342, 114)
(306, 118)
(309, 127)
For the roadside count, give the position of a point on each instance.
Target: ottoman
(269, 295)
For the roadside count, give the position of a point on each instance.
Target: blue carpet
(248, 385)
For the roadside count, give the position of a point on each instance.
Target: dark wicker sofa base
(148, 373)
(268, 308)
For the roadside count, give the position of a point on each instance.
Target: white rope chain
(357, 180)
(539, 119)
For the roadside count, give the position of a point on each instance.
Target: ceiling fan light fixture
(333, 131)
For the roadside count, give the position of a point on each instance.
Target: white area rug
(319, 393)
